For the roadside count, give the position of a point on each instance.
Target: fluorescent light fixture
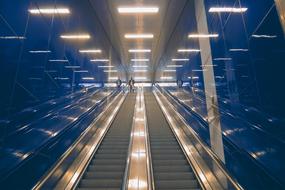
(113, 78)
(139, 9)
(188, 50)
(81, 71)
(138, 36)
(140, 71)
(166, 78)
(72, 67)
(264, 36)
(12, 38)
(140, 78)
(40, 51)
(174, 66)
(139, 50)
(140, 66)
(88, 78)
(61, 78)
(110, 71)
(170, 70)
(106, 66)
(203, 35)
(90, 51)
(227, 10)
(76, 36)
(239, 50)
(222, 59)
(49, 11)
(180, 59)
(139, 60)
(195, 77)
(99, 60)
(58, 60)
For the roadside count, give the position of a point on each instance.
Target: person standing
(131, 84)
(119, 83)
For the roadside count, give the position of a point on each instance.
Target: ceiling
(161, 25)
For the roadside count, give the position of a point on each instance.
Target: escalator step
(175, 175)
(177, 184)
(170, 162)
(101, 183)
(104, 175)
(106, 168)
(178, 168)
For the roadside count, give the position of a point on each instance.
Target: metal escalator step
(101, 183)
(106, 168)
(99, 188)
(167, 151)
(110, 156)
(112, 151)
(168, 157)
(177, 184)
(109, 161)
(178, 168)
(104, 175)
(175, 175)
(170, 162)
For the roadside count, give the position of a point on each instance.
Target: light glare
(134, 10)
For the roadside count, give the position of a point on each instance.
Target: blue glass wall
(28, 78)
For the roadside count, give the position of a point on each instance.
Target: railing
(246, 163)
(46, 154)
(210, 171)
(76, 159)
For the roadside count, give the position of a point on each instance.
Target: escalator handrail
(54, 138)
(49, 115)
(67, 153)
(245, 121)
(214, 157)
(238, 149)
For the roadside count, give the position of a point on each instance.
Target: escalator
(171, 169)
(107, 167)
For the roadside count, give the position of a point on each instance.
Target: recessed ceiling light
(166, 78)
(139, 50)
(58, 60)
(139, 60)
(227, 10)
(264, 36)
(76, 36)
(170, 70)
(40, 51)
(88, 78)
(188, 50)
(49, 11)
(138, 36)
(81, 71)
(180, 59)
(140, 78)
(174, 66)
(12, 38)
(140, 71)
(203, 35)
(110, 71)
(140, 66)
(222, 59)
(140, 9)
(239, 50)
(99, 60)
(90, 51)
(106, 66)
